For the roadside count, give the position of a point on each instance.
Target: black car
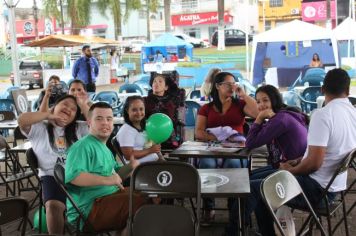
(232, 37)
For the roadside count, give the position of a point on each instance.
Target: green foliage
(188, 64)
(346, 67)
(51, 8)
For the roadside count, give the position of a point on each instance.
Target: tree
(151, 6)
(167, 15)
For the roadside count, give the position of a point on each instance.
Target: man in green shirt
(92, 178)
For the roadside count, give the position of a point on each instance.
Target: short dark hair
(85, 47)
(98, 105)
(337, 82)
(54, 77)
(77, 81)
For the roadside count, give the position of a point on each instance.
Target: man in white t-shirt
(331, 135)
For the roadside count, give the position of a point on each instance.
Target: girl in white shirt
(132, 137)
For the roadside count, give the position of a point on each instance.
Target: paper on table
(192, 148)
(222, 149)
(194, 143)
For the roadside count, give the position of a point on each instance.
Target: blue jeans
(311, 188)
(262, 172)
(212, 163)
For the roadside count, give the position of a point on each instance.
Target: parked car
(31, 73)
(232, 37)
(197, 43)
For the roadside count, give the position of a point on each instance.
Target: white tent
(345, 34)
(308, 38)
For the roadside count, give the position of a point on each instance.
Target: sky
(27, 3)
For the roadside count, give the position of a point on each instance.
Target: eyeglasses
(228, 84)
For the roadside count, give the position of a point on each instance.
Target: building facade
(199, 18)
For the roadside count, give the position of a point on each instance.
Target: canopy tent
(345, 34)
(291, 46)
(69, 41)
(166, 44)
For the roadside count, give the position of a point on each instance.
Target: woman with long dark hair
(51, 134)
(283, 129)
(315, 61)
(226, 109)
(132, 137)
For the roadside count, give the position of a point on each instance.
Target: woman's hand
(155, 148)
(57, 120)
(48, 91)
(239, 91)
(265, 114)
(82, 98)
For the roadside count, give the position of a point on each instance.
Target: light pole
(263, 13)
(12, 28)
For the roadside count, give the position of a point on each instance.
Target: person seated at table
(224, 110)
(205, 89)
(331, 135)
(165, 97)
(49, 96)
(284, 132)
(158, 57)
(94, 178)
(174, 57)
(51, 134)
(316, 62)
(132, 137)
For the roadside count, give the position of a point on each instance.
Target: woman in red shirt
(224, 110)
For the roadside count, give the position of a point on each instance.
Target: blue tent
(166, 44)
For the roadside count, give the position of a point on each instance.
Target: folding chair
(280, 187)
(329, 208)
(164, 180)
(117, 149)
(33, 164)
(15, 173)
(12, 209)
(59, 175)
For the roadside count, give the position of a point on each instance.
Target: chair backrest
(144, 85)
(7, 105)
(18, 135)
(352, 100)
(110, 97)
(7, 115)
(195, 94)
(342, 167)
(12, 209)
(59, 176)
(312, 93)
(164, 179)
(130, 88)
(117, 149)
(191, 112)
(32, 159)
(280, 187)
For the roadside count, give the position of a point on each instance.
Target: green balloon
(36, 220)
(159, 127)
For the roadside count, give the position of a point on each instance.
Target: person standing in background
(316, 62)
(86, 69)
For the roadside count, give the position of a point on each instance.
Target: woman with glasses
(226, 109)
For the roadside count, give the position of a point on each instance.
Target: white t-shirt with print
(333, 127)
(130, 137)
(47, 155)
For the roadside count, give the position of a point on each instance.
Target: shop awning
(69, 41)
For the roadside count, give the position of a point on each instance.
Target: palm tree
(151, 6)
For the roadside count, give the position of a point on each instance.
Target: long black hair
(277, 101)
(219, 78)
(127, 104)
(70, 130)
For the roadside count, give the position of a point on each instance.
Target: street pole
(247, 43)
(221, 31)
(35, 16)
(328, 15)
(264, 16)
(13, 41)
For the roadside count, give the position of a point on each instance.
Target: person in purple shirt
(284, 132)
(86, 69)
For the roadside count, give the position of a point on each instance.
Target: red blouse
(234, 116)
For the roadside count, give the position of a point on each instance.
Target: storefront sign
(199, 18)
(316, 11)
(26, 28)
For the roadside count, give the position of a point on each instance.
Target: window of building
(189, 4)
(267, 25)
(275, 3)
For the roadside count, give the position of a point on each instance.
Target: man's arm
(85, 179)
(308, 165)
(75, 69)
